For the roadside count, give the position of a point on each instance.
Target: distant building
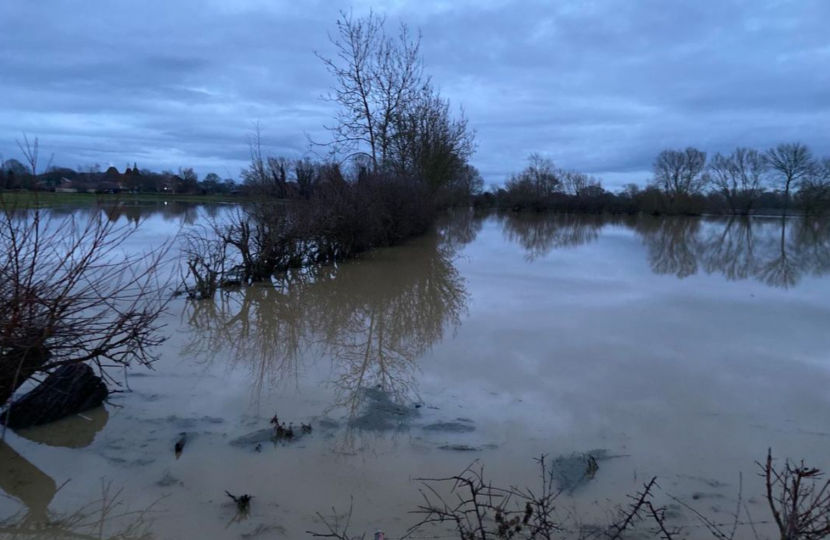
(108, 186)
(66, 186)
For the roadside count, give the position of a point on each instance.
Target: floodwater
(678, 348)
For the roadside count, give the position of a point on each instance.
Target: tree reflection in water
(22, 481)
(775, 251)
(539, 234)
(373, 317)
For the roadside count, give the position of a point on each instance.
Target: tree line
(14, 175)
(784, 178)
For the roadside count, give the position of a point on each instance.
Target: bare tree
(429, 143)
(265, 176)
(680, 172)
(577, 183)
(536, 183)
(814, 194)
(792, 163)
(74, 297)
(31, 153)
(204, 254)
(376, 75)
(739, 177)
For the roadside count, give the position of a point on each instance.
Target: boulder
(68, 390)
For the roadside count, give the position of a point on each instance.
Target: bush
(331, 220)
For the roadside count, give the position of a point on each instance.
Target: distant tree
(680, 172)
(14, 173)
(791, 164)
(814, 194)
(739, 177)
(535, 185)
(264, 175)
(630, 190)
(229, 185)
(542, 175)
(680, 175)
(579, 184)
(189, 181)
(305, 175)
(212, 183)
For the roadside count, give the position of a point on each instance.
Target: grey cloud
(597, 85)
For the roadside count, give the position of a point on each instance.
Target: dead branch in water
(335, 529)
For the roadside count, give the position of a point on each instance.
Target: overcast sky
(600, 86)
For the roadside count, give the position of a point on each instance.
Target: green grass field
(15, 199)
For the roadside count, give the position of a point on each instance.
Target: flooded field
(677, 348)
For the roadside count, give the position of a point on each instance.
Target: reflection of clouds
(373, 316)
(539, 234)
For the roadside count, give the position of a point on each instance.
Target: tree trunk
(68, 390)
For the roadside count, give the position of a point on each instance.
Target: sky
(599, 86)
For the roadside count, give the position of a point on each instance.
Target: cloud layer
(597, 85)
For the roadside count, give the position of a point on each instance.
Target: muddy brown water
(676, 348)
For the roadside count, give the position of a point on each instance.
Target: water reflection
(539, 234)
(35, 491)
(26, 483)
(76, 431)
(774, 251)
(373, 317)
(101, 519)
(136, 212)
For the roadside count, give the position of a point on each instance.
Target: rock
(68, 390)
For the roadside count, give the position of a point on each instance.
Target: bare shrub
(798, 498)
(475, 509)
(332, 219)
(204, 256)
(70, 294)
